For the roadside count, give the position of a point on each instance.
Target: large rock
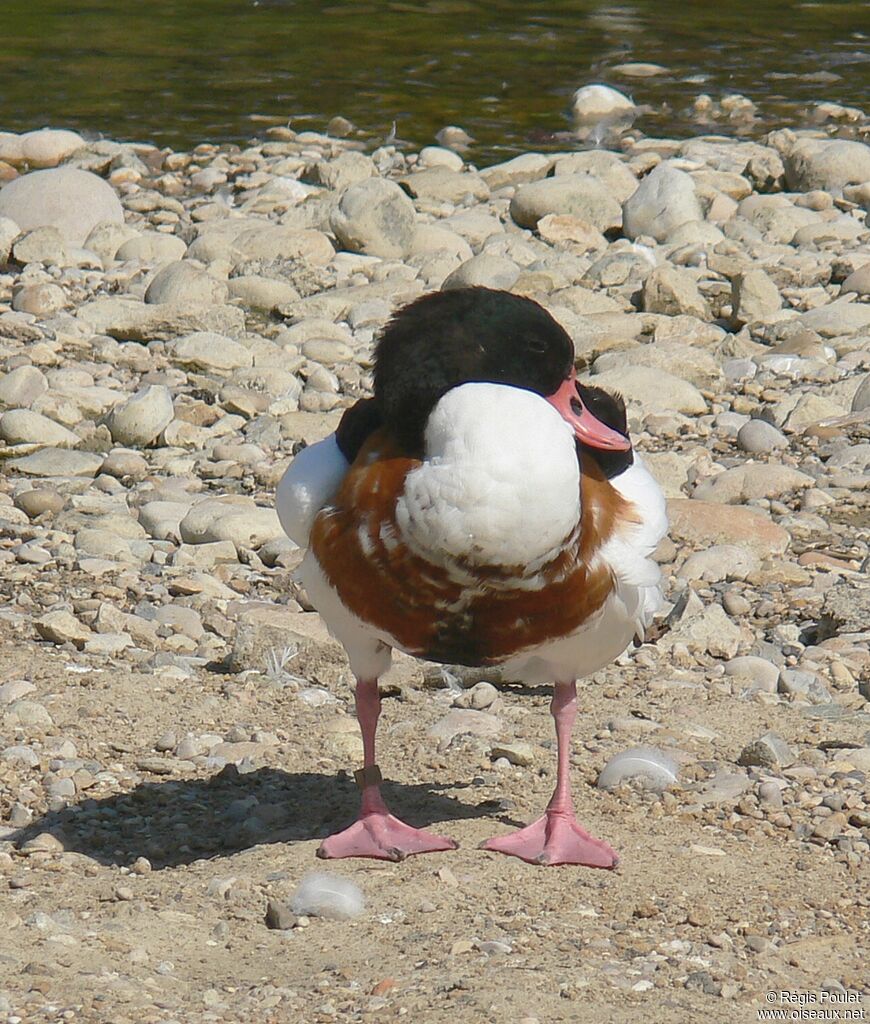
(858, 281)
(847, 607)
(45, 147)
(240, 521)
(753, 297)
(837, 318)
(861, 398)
(710, 632)
(57, 462)
(141, 419)
(518, 171)
(673, 292)
(720, 562)
(22, 386)
(593, 103)
(21, 426)
(663, 201)
(755, 480)
(151, 247)
(69, 199)
(653, 390)
(183, 281)
(580, 195)
(204, 350)
(828, 164)
(775, 216)
(278, 243)
(696, 365)
(441, 184)
(601, 163)
(374, 217)
(699, 523)
(9, 231)
(128, 319)
(484, 270)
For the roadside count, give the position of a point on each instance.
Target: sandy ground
(96, 934)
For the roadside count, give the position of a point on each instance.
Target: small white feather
(653, 765)
(322, 894)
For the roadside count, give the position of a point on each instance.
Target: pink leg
(556, 838)
(376, 832)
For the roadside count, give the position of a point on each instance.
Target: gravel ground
(176, 726)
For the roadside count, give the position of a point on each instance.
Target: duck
(483, 508)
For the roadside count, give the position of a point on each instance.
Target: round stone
(39, 500)
(140, 419)
(759, 436)
(69, 199)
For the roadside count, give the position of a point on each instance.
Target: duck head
(480, 335)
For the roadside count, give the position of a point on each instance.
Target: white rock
(374, 217)
(21, 426)
(759, 673)
(48, 147)
(663, 201)
(753, 297)
(608, 167)
(759, 436)
(140, 419)
(57, 462)
(438, 156)
(183, 281)
(22, 386)
(695, 364)
(580, 195)
(258, 292)
(9, 231)
(42, 245)
(41, 299)
(162, 519)
(653, 390)
(753, 480)
(837, 318)
(205, 350)
(152, 247)
(861, 398)
(673, 292)
(245, 524)
(593, 103)
(828, 164)
(720, 562)
(484, 270)
(67, 198)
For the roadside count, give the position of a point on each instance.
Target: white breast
(500, 484)
(630, 607)
(311, 479)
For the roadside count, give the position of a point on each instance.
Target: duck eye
(537, 346)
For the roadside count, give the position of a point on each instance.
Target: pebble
(768, 751)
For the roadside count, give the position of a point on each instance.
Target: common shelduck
(483, 508)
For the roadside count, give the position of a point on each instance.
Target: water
(178, 72)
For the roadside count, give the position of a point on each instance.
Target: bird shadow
(175, 822)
